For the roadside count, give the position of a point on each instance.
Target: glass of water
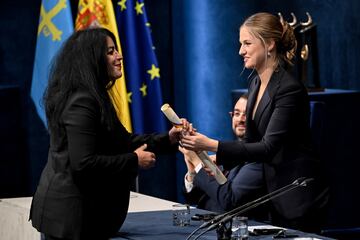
(239, 228)
(181, 215)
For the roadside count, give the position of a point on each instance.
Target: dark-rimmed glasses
(237, 114)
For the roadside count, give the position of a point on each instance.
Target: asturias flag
(55, 26)
(92, 13)
(141, 67)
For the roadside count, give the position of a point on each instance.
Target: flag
(141, 67)
(55, 26)
(100, 13)
(144, 91)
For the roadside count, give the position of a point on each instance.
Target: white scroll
(171, 115)
(204, 157)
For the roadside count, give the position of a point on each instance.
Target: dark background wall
(197, 48)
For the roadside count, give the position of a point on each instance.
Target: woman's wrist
(213, 145)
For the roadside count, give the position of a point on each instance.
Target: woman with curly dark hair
(93, 160)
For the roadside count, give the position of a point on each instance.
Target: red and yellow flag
(92, 13)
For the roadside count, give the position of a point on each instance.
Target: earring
(268, 54)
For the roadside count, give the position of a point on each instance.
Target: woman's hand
(199, 142)
(176, 131)
(145, 159)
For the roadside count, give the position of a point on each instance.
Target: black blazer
(279, 136)
(84, 189)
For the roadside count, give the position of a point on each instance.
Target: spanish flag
(100, 13)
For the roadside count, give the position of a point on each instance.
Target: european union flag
(144, 92)
(141, 67)
(55, 26)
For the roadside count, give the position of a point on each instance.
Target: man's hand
(191, 159)
(213, 158)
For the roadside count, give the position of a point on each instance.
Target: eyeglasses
(237, 114)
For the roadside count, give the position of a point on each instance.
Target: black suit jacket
(279, 136)
(84, 189)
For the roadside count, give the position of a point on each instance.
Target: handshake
(195, 142)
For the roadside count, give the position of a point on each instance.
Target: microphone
(225, 217)
(221, 216)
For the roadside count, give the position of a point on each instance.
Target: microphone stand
(221, 219)
(221, 216)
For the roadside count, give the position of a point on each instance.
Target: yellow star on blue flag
(143, 74)
(122, 5)
(143, 90)
(138, 8)
(154, 72)
(140, 65)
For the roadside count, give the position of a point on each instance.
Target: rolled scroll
(171, 115)
(204, 157)
(218, 175)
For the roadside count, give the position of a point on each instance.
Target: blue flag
(141, 67)
(55, 26)
(144, 92)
